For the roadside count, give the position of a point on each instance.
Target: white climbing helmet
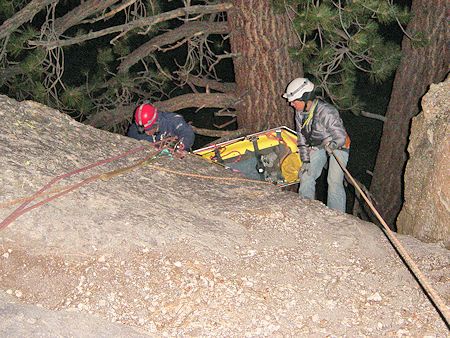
(299, 89)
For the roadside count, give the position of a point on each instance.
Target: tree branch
(108, 118)
(187, 30)
(145, 22)
(225, 112)
(231, 135)
(225, 124)
(373, 116)
(25, 14)
(112, 12)
(79, 13)
(202, 100)
(223, 87)
(228, 134)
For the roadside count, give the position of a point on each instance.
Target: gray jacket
(325, 126)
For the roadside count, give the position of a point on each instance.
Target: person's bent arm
(133, 133)
(301, 140)
(184, 133)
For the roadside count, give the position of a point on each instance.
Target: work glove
(304, 169)
(330, 147)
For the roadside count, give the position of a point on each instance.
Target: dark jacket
(325, 126)
(169, 125)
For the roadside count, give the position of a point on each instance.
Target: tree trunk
(420, 66)
(263, 67)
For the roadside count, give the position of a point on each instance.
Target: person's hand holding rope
(330, 147)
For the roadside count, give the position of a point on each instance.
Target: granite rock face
(426, 210)
(181, 247)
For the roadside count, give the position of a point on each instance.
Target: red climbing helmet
(145, 116)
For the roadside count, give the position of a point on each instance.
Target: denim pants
(336, 198)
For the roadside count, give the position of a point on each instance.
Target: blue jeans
(336, 198)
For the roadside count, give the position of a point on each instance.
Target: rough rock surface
(181, 247)
(426, 211)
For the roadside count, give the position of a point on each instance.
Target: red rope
(22, 208)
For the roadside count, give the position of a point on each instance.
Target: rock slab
(426, 211)
(181, 247)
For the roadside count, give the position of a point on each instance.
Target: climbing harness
(436, 300)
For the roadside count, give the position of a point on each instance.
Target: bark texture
(426, 211)
(418, 69)
(263, 67)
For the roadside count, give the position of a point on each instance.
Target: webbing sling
(217, 155)
(259, 165)
(280, 177)
(311, 113)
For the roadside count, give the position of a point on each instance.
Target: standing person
(319, 130)
(152, 125)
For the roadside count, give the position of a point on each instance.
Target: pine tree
(96, 60)
(341, 38)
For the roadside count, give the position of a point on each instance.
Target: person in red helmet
(152, 125)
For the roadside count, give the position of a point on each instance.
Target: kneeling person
(153, 126)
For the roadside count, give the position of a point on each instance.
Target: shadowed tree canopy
(232, 56)
(98, 59)
(340, 41)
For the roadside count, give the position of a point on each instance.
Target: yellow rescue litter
(269, 155)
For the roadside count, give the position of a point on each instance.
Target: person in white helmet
(320, 129)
